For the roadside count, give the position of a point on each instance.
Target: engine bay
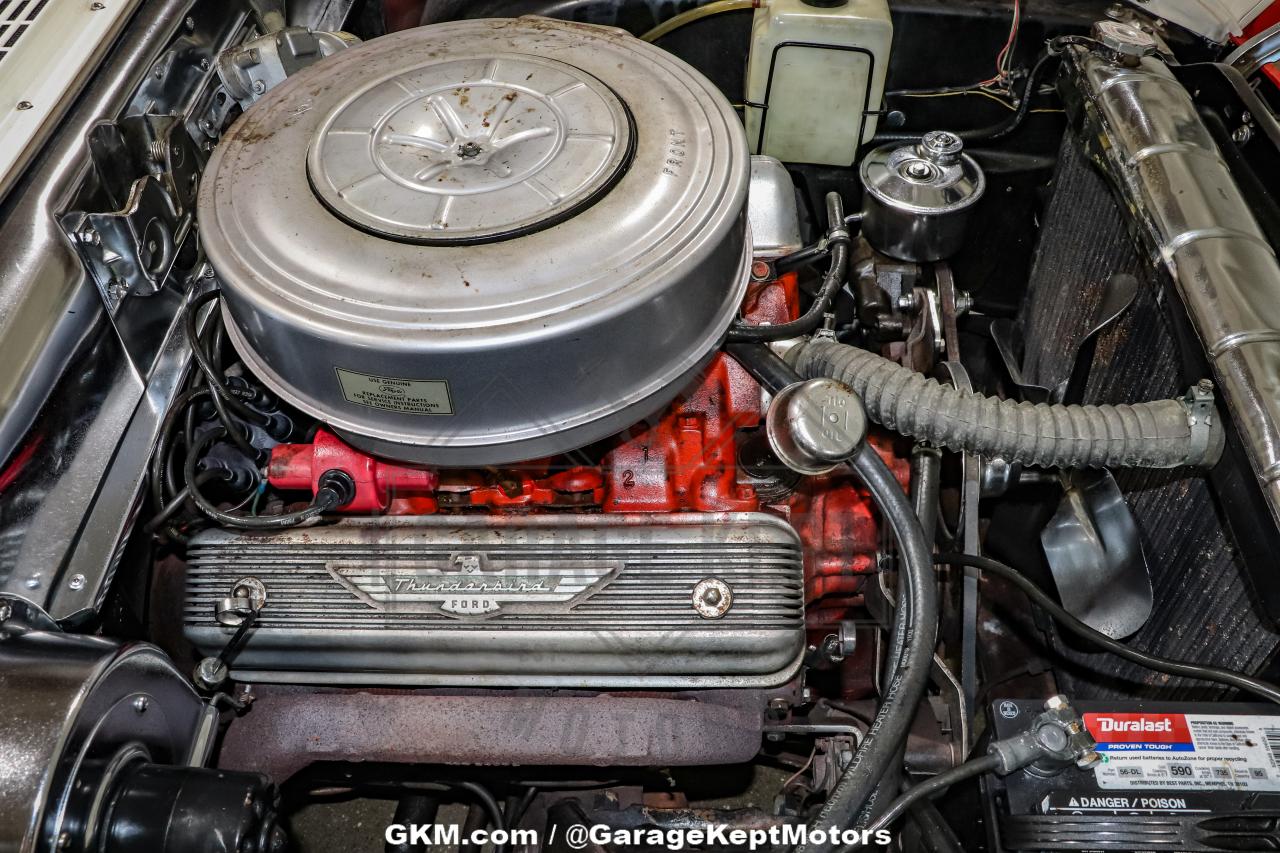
(506, 426)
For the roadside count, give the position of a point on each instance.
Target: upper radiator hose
(1159, 434)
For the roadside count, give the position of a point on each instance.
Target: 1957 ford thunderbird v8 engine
(506, 425)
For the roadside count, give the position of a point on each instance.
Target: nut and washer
(712, 598)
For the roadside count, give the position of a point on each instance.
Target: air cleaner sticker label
(1230, 752)
(411, 396)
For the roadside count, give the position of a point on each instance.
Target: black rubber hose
(802, 257)
(918, 623)
(764, 365)
(926, 477)
(838, 239)
(936, 835)
(995, 132)
(515, 812)
(933, 785)
(477, 818)
(1156, 434)
(1008, 126)
(414, 808)
(490, 805)
(914, 632)
(926, 468)
(1182, 669)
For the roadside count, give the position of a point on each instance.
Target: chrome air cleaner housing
(482, 241)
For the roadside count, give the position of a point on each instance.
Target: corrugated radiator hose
(1158, 434)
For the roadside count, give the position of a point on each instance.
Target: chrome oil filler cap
(483, 241)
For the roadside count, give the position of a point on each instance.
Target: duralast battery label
(411, 396)
(1229, 752)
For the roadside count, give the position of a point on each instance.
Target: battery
(1172, 776)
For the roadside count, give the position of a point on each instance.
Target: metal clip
(1200, 417)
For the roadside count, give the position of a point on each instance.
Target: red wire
(1003, 55)
(18, 463)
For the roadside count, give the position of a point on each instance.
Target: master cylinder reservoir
(815, 77)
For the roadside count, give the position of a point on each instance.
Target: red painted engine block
(683, 460)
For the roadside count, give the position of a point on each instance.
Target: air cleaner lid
(470, 150)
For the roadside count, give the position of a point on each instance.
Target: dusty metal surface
(288, 728)
(550, 600)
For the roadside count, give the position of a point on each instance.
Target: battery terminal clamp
(1055, 740)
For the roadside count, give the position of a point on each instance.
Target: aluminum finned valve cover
(482, 241)
(651, 600)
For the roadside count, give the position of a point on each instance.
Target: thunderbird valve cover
(483, 241)
(588, 601)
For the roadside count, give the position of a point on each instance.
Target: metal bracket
(131, 250)
(1260, 50)
(18, 616)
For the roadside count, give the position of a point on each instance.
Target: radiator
(1203, 610)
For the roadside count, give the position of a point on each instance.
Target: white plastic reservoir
(815, 78)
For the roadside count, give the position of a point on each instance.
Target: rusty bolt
(1055, 703)
(1088, 759)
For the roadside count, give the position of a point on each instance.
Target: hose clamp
(839, 234)
(1202, 419)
